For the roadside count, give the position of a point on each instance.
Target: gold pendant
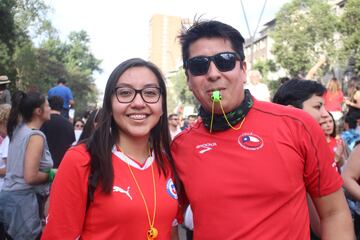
(152, 233)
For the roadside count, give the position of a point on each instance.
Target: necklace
(227, 121)
(223, 121)
(152, 233)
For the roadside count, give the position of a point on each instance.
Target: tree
(79, 65)
(350, 25)
(7, 37)
(17, 17)
(304, 30)
(179, 92)
(32, 53)
(264, 67)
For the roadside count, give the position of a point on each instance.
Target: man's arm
(351, 174)
(334, 216)
(310, 75)
(72, 103)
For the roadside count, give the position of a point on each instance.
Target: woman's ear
(38, 111)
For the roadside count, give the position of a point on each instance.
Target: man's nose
(213, 72)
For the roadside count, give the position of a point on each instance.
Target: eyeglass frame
(212, 59)
(136, 92)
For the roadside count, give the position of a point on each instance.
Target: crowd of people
(245, 167)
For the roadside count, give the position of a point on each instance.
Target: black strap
(92, 182)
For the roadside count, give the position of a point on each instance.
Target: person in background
(174, 126)
(5, 96)
(65, 93)
(353, 103)
(4, 146)
(192, 120)
(336, 145)
(334, 98)
(90, 124)
(59, 131)
(118, 184)
(245, 175)
(28, 168)
(257, 89)
(351, 176)
(308, 96)
(78, 129)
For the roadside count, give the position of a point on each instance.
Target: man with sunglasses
(247, 165)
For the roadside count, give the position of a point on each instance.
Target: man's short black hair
(173, 115)
(296, 91)
(210, 29)
(56, 103)
(61, 80)
(192, 116)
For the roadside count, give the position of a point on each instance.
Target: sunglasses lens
(199, 65)
(225, 61)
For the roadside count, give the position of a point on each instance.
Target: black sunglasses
(224, 61)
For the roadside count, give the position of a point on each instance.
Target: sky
(119, 30)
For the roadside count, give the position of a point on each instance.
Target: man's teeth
(137, 116)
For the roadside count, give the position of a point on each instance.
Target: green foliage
(32, 53)
(304, 30)
(76, 64)
(350, 25)
(179, 92)
(265, 67)
(274, 86)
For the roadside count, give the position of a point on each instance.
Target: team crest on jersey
(170, 188)
(250, 141)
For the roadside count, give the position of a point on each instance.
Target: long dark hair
(100, 144)
(89, 126)
(22, 108)
(333, 133)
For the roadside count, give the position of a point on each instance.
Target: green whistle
(216, 96)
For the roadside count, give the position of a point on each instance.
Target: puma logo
(119, 189)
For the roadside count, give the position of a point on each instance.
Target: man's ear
(187, 80)
(243, 66)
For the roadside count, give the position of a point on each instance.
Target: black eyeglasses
(224, 61)
(128, 94)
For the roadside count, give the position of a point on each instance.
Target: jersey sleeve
(68, 196)
(320, 173)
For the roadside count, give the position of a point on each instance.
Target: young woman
(334, 98)
(336, 146)
(119, 184)
(78, 129)
(26, 182)
(353, 103)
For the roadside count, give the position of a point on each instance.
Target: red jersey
(252, 183)
(333, 101)
(332, 146)
(119, 215)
